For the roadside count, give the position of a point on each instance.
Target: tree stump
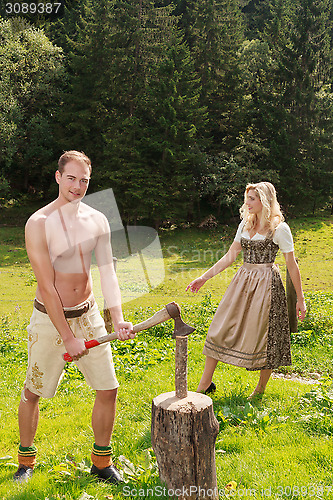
(184, 430)
(183, 437)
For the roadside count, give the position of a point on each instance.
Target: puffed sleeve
(284, 238)
(239, 232)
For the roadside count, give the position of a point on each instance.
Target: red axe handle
(88, 344)
(158, 317)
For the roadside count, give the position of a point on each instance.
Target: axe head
(181, 328)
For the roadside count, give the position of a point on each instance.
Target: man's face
(74, 181)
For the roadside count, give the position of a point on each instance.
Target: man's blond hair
(68, 156)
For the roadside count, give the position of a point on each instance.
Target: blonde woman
(250, 328)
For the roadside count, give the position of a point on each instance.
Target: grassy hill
(279, 448)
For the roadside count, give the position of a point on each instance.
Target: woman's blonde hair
(271, 215)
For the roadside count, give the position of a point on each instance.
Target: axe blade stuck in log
(170, 311)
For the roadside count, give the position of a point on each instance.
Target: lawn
(279, 448)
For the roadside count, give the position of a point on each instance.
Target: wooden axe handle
(158, 317)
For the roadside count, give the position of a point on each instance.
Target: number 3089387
(32, 8)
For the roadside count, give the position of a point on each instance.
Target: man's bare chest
(71, 242)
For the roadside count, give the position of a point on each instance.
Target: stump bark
(183, 438)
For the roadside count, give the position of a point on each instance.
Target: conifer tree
(150, 145)
(132, 104)
(215, 35)
(300, 45)
(86, 33)
(257, 13)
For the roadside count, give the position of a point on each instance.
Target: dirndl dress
(250, 328)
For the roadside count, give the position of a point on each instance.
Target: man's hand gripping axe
(171, 310)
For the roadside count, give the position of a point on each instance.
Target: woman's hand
(300, 309)
(218, 267)
(196, 284)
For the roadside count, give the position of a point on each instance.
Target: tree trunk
(183, 434)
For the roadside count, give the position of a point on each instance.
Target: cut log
(183, 434)
(181, 367)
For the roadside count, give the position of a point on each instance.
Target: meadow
(279, 447)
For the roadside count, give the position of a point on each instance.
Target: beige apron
(250, 328)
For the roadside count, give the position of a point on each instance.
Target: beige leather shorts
(45, 350)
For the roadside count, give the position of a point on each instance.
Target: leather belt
(75, 313)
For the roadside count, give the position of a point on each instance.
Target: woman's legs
(207, 375)
(263, 379)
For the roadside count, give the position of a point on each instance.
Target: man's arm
(109, 282)
(38, 253)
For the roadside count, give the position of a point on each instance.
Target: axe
(171, 310)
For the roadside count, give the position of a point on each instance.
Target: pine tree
(300, 44)
(86, 33)
(257, 13)
(132, 105)
(215, 35)
(151, 144)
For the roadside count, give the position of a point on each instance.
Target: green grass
(274, 447)
(186, 254)
(282, 442)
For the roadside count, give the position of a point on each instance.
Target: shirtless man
(60, 240)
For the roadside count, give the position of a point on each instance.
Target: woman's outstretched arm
(218, 267)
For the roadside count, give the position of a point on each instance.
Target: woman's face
(253, 202)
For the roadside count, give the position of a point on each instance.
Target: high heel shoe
(210, 389)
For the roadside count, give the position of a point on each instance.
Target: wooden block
(183, 434)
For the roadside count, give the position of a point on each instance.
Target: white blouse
(282, 236)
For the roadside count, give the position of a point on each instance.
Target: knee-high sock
(101, 456)
(27, 455)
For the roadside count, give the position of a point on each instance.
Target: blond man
(60, 240)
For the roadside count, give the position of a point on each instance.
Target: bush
(4, 188)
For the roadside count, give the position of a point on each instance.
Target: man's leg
(28, 416)
(103, 416)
